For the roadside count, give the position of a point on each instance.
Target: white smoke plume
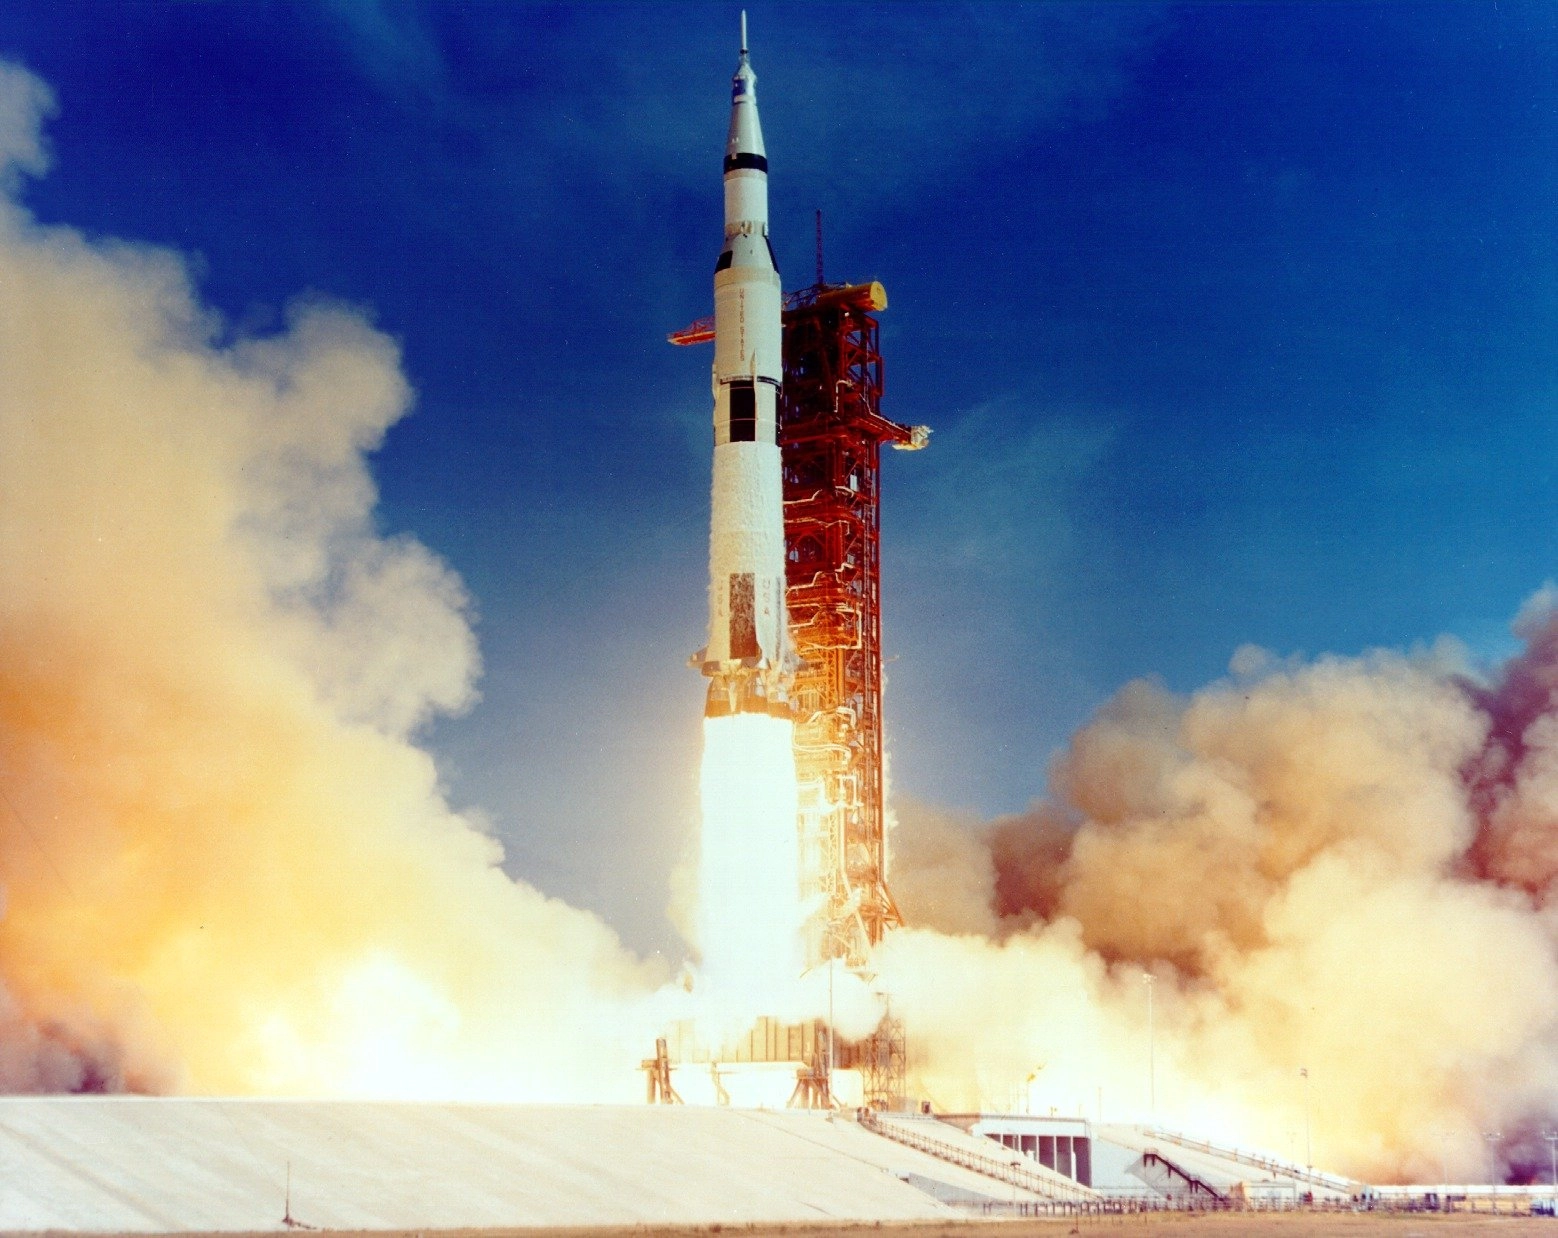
(225, 865)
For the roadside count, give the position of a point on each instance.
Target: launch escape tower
(831, 432)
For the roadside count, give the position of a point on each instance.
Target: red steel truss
(831, 432)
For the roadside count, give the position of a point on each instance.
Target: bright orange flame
(749, 901)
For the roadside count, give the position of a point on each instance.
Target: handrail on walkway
(1059, 1188)
(1330, 1181)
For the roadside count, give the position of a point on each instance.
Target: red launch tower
(831, 432)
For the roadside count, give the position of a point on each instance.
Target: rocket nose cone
(744, 142)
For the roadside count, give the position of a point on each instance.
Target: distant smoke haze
(228, 866)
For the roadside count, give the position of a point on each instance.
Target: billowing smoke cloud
(225, 865)
(1345, 867)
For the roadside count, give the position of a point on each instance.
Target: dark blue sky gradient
(1236, 323)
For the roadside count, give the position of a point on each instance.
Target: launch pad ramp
(974, 1152)
(1328, 1184)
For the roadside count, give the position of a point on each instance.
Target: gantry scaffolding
(831, 432)
(880, 1059)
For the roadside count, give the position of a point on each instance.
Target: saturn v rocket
(748, 660)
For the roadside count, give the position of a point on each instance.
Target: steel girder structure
(831, 432)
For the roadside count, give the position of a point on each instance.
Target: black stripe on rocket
(728, 257)
(743, 411)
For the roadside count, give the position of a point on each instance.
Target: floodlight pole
(1152, 1071)
(1309, 1155)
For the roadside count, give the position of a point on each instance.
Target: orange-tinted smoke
(1342, 867)
(226, 866)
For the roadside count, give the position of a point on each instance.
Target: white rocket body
(748, 659)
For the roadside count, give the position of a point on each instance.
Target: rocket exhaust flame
(749, 904)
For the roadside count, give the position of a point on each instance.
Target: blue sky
(1235, 322)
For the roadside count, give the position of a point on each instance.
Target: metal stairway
(948, 1143)
(1172, 1180)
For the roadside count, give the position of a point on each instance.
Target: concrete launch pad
(138, 1165)
(149, 1165)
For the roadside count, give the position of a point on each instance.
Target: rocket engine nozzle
(746, 691)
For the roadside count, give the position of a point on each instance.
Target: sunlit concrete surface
(144, 1165)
